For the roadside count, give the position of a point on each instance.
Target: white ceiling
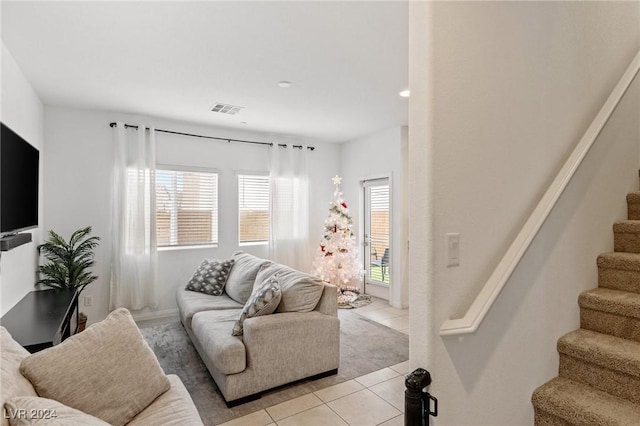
(347, 61)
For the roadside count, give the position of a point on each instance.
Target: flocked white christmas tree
(338, 260)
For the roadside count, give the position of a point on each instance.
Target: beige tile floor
(373, 399)
(380, 311)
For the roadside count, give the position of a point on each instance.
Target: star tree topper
(336, 180)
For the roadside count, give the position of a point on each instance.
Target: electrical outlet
(453, 249)
(88, 300)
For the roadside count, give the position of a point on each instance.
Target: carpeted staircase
(599, 376)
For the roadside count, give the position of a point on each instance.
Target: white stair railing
(472, 319)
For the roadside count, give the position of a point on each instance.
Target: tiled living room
(373, 399)
(197, 109)
(156, 205)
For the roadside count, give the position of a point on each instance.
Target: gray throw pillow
(262, 302)
(210, 277)
(301, 292)
(242, 277)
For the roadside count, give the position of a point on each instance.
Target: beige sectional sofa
(300, 339)
(105, 375)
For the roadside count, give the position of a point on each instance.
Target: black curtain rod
(113, 124)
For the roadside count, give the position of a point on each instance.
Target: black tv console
(43, 318)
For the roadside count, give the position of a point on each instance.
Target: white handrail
(472, 319)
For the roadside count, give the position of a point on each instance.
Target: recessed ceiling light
(405, 93)
(284, 84)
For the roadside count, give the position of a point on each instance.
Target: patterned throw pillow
(263, 301)
(210, 277)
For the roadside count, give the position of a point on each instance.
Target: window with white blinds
(379, 219)
(253, 209)
(186, 208)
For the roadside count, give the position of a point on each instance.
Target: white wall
(511, 87)
(77, 189)
(373, 156)
(22, 111)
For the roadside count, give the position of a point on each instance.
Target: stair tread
(620, 260)
(582, 404)
(633, 197)
(632, 226)
(613, 301)
(612, 352)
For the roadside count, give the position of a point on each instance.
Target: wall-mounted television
(18, 183)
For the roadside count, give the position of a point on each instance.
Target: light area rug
(365, 346)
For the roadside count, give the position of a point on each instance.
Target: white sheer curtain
(289, 180)
(134, 253)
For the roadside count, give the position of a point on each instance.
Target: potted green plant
(67, 263)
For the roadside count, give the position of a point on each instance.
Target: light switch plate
(453, 249)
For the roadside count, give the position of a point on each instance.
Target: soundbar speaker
(12, 241)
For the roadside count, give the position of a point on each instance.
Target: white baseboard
(155, 315)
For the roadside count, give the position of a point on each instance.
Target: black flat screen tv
(18, 183)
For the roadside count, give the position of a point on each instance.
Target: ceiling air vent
(226, 109)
